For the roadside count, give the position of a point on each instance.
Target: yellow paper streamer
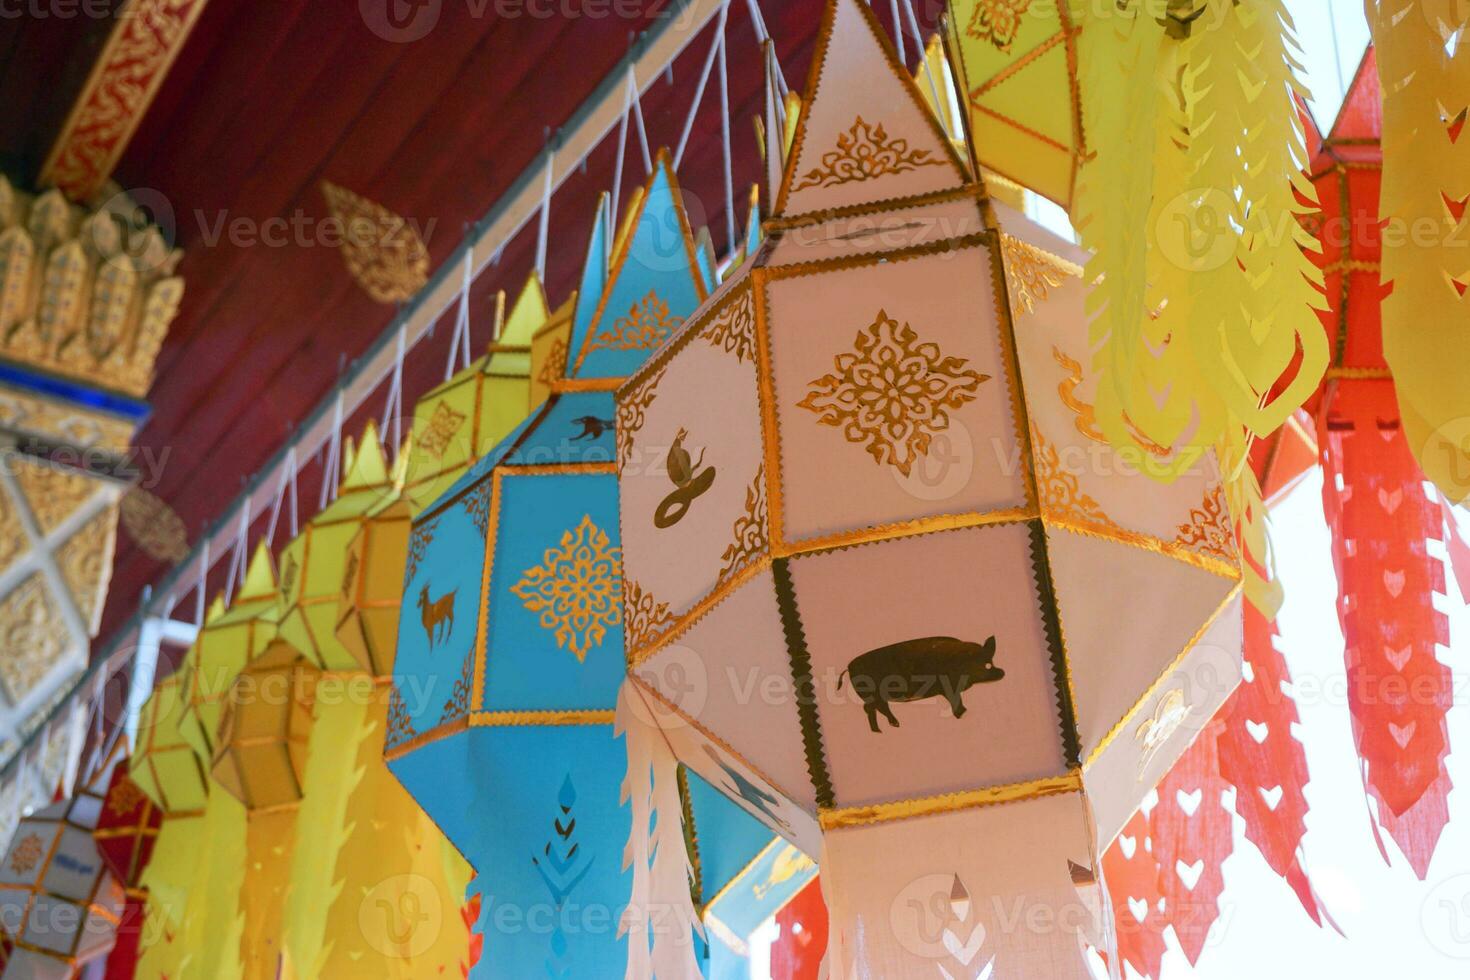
(1425, 73)
(1190, 108)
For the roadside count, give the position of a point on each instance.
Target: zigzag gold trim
(1130, 715)
(501, 719)
(859, 816)
(901, 529)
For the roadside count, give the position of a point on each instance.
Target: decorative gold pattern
(894, 394)
(124, 797)
(997, 21)
(418, 546)
(458, 705)
(1060, 491)
(53, 494)
(154, 526)
(86, 561)
(32, 636)
(555, 365)
(863, 153)
(646, 325)
(1086, 420)
(12, 535)
(577, 589)
(1031, 274)
(442, 426)
(644, 618)
(1155, 732)
(631, 415)
(733, 328)
(288, 576)
(399, 724)
(383, 252)
(125, 76)
(86, 294)
(27, 854)
(1209, 529)
(477, 505)
(857, 816)
(751, 535)
(59, 422)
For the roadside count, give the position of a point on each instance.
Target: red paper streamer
(1263, 760)
(1132, 876)
(798, 950)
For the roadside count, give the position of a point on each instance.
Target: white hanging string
(903, 57)
(617, 184)
(725, 146)
(285, 483)
(393, 405)
(239, 561)
(333, 462)
(459, 340)
(544, 221)
(199, 590)
(638, 117)
(763, 35)
(709, 63)
(941, 103)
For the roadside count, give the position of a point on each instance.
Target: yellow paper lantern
(228, 642)
(1017, 67)
(264, 728)
(463, 418)
(317, 565)
(372, 585)
(165, 766)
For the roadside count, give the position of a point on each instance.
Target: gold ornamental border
(569, 717)
(858, 816)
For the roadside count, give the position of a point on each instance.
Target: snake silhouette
(691, 480)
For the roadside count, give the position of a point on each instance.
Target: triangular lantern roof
(510, 352)
(260, 576)
(594, 276)
(1361, 116)
(862, 145)
(653, 284)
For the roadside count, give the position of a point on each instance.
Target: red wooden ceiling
(268, 100)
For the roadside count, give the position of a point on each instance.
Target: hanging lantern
(225, 645)
(507, 674)
(166, 767)
(317, 564)
(127, 829)
(260, 758)
(460, 420)
(923, 562)
(1017, 66)
(59, 904)
(373, 896)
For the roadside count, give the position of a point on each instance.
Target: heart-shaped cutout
(1257, 730)
(1128, 845)
(1403, 734)
(965, 951)
(1390, 501)
(1247, 672)
(1138, 908)
(1272, 797)
(1189, 873)
(1189, 802)
(1394, 582)
(1399, 657)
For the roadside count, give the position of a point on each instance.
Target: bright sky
(1396, 925)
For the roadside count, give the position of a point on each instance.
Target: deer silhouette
(436, 614)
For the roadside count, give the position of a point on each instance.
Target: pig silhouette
(931, 666)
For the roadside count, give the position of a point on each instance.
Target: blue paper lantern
(502, 719)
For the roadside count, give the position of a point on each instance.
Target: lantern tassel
(657, 851)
